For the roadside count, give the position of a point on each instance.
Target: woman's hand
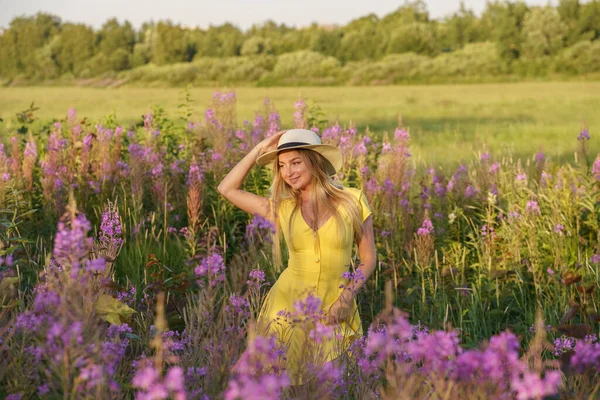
(340, 310)
(269, 144)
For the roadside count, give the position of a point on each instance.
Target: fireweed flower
(595, 259)
(488, 230)
(332, 132)
(426, 228)
(273, 124)
(540, 157)
(71, 244)
(257, 277)
(586, 356)
(127, 296)
(559, 228)
(213, 268)
(300, 108)
(563, 345)
(387, 148)
(533, 208)
(240, 134)
(309, 308)
(548, 328)
(470, 191)
(584, 135)
(596, 168)
(532, 386)
(436, 351)
(30, 149)
(216, 156)
(258, 374)
(174, 167)
(360, 149)
(148, 121)
(495, 167)
(522, 177)
(151, 385)
(238, 306)
(545, 178)
(401, 134)
(195, 174)
(259, 228)
(110, 227)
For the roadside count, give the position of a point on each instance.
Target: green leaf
(21, 240)
(9, 250)
(7, 282)
(112, 310)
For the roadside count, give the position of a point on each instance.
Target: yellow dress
(317, 268)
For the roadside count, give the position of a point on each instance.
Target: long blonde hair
(325, 195)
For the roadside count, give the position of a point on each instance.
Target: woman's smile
(293, 170)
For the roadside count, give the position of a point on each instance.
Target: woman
(320, 222)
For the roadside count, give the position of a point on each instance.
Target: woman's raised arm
(230, 185)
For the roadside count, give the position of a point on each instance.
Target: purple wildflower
(401, 134)
(596, 168)
(584, 135)
(212, 267)
(110, 227)
(563, 344)
(495, 167)
(426, 228)
(360, 149)
(533, 208)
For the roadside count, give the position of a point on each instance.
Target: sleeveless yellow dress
(315, 268)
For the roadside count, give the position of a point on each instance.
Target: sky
(243, 13)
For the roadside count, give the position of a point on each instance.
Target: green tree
(362, 39)
(25, 38)
(171, 44)
(569, 11)
(409, 12)
(543, 32)
(9, 54)
(326, 41)
(461, 28)
(75, 46)
(221, 41)
(256, 45)
(416, 37)
(115, 46)
(504, 20)
(589, 20)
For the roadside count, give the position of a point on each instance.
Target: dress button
(317, 259)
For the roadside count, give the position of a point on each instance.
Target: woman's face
(294, 170)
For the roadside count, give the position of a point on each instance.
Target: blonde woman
(320, 222)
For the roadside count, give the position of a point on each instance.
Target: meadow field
(448, 123)
(123, 272)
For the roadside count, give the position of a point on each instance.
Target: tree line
(509, 37)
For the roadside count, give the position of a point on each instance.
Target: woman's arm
(368, 257)
(230, 185)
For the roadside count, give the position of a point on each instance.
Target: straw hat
(304, 139)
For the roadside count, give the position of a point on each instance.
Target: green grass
(448, 123)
